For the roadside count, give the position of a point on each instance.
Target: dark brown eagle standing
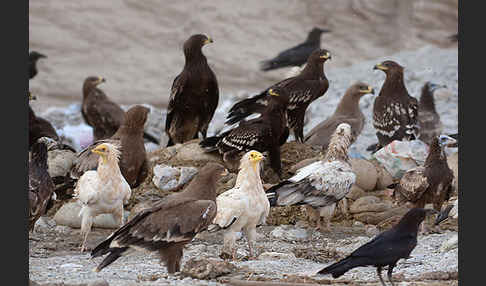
(394, 110)
(39, 127)
(34, 56)
(170, 224)
(41, 186)
(303, 89)
(99, 112)
(133, 161)
(431, 183)
(347, 111)
(428, 118)
(296, 56)
(265, 133)
(194, 95)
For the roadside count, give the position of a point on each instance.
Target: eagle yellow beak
(326, 56)
(369, 90)
(380, 67)
(31, 96)
(208, 40)
(98, 150)
(100, 80)
(272, 92)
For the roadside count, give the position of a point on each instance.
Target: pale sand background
(136, 44)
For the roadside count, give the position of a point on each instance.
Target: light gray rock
(59, 162)
(289, 232)
(64, 229)
(449, 244)
(366, 174)
(384, 177)
(44, 224)
(369, 204)
(275, 256)
(169, 178)
(191, 151)
(68, 215)
(201, 268)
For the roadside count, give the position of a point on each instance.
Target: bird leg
(250, 237)
(86, 223)
(326, 213)
(378, 270)
(389, 273)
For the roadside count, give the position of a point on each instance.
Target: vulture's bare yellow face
(101, 150)
(256, 156)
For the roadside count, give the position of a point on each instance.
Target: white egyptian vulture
(103, 191)
(243, 207)
(322, 184)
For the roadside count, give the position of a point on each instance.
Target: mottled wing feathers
(247, 136)
(413, 184)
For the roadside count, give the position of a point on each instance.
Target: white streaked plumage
(244, 206)
(102, 191)
(322, 184)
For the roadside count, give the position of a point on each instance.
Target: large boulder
(68, 215)
(376, 218)
(170, 179)
(369, 204)
(366, 174)
(59, 162)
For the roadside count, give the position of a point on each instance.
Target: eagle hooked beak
(368, 90)
(208, 40)
(100, 80)
(446, 141)
(326, 56)
(380, 67)
(31, 96)
(272, 92)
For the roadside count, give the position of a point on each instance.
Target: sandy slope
(136, 45)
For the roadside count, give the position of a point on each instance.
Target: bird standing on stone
(385, 249)
(243, 207)
(295, 56)
(133, 159)
(34, 56)
(169, 224)
(347, 111)
(428, 118)
(322, 184)
(263, 134)
(395, 112)
(101, 113)
(41, 187)
(194, 95)
(103, 191)
(303, 89)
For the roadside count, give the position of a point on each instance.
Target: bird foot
(225, 256)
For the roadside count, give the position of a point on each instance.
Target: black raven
(296, 56)
(33, 57)
(386, 248)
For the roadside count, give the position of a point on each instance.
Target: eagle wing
(249, 135)
(413, 183)
(175, 92)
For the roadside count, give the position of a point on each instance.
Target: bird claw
(225, 256)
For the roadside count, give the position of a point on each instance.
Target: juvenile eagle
(243, 207)
(170, 224)
(303, 89)
(322, 184)
(194, 95)
(265, 133)
(39, 127)
(428, 118)
(41, 187)
(102, 191)
(347, 111)
(101, 113)
(385, 249)
(34, 56)
(133, 159)
(431, 183)
(296, 56)
(395, 112)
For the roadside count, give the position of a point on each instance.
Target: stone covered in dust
(169, 178)
(68, 215)
(201, 268)
(288, 232)
(275, 256)
(366, 174)
(369, 204)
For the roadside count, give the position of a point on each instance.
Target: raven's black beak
(443, 215)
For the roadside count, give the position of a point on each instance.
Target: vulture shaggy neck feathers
(338, 147)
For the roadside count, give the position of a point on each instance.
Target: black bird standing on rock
(395, 112)
(386, 248)
(101, 113)
(194, 95)
(296, 56)
(303, 89)
(33, 58)
(265, 133)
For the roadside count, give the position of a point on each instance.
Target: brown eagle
(41, 186)
(101, 113)
(395, 112)
(265, 133)
(39, 127)
(347, 111)
(428, 118)
(34, 56)
(170, 224)
(194, 95)
(133, 162)
(303, 89)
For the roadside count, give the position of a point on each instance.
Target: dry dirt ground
(55, 257)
